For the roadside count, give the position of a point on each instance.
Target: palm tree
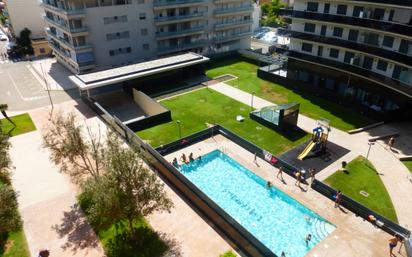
(3, 109)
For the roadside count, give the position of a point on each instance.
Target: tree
(75, 149)
(24, 42)
(128, 188)
(270, 12)
(9, 214)
(3, 109)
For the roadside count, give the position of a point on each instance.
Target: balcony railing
(398, 28)
(394, 2)
(220, 39)
(68, 43)
(221, 11)
(368, 49)
(64, 27)
(181, 47)
(179, 17)
(62, 10)
(368, 74)
(180, 32)
(158, 3)
(232, 24)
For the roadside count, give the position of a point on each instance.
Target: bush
(228, 254)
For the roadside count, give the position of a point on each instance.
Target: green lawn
(408, 165)
(310, 105)
(228, 254)
(23, 122)
(205, 105)
(16, 246)
(362, 175)
(117, 242)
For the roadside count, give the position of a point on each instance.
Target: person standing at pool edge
(338, 198)
(280, 171)
(297, 175)
(392, 244)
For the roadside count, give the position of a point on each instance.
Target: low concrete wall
(147, 104)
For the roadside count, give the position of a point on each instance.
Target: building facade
(359, 50)
(25, 14)
(89, 35)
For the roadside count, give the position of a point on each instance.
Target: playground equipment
(319, 140)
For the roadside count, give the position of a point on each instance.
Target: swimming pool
(274, 218)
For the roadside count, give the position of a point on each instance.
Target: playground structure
(319, 141)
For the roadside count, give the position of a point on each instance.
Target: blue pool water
(274, 218)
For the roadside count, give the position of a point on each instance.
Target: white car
(3, 37)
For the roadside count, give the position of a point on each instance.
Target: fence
(229, 228)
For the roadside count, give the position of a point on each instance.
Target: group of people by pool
(185, 160)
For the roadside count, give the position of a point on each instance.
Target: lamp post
(251, 103)
(369, 149)
(180, 129)
(48, 90)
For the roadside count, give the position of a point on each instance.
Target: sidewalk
(393, 172)
(47, 201)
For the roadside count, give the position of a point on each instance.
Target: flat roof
(132, 71)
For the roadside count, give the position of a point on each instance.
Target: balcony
(232, 24)
(181, 47)
(178, 18)
(225, 1)
(69, 44)
(385, 2)
(69, 13)
(161, 4)
(398, 28)
(82, 30)
(179, 33)
(369, 49)
(230, 11)
(222, 39)
(388, 82)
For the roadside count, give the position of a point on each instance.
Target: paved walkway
(47, 203)
(393, 173)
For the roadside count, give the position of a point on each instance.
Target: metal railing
(179, 17)
(232, 23)
(61, 9)
(180, 32)
(157, 3)
(180, 47)
(233, 10)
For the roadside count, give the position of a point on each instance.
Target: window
(144, 32)
(341, 9)
(142, 16)
(118, 35)
(334, 53)
(140, 1)
(118, 51)
(404, 46)
(145, 46)
(353, 35)
(378, 14)
(349, 58)
(307, 47)
(310, 27)
(337, 32)
(372, 39)
(115, 19)
(357, 11)
(367, 62)
(312, 7)
(387, 41)
(326, 9)
(382, 65)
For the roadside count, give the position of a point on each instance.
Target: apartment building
(365, 46)
(25, 14)
(89, 35)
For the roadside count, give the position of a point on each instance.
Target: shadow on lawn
(145, 243)
(3, 242)
(293, 134)
(79, 233)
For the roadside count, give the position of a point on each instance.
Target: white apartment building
(25, 14)
(88, 35)
(369, 39)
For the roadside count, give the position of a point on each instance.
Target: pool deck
(352, 237)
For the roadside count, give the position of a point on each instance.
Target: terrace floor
(352, 237)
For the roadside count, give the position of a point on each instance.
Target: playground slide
(307, 150)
